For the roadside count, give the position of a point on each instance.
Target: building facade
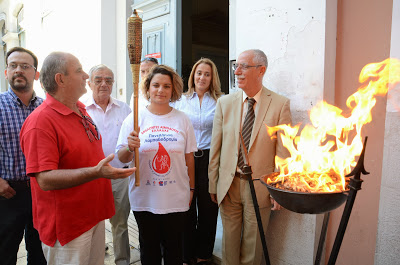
(316, 50)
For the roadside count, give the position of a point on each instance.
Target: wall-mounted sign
(153, 55)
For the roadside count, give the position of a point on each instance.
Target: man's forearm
(65, 178)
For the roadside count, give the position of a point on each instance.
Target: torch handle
(135, 80)
(136, 128)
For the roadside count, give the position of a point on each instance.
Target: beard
(19, 85)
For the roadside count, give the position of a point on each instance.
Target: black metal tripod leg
(259, 221)
(322, 238)
(342, 227)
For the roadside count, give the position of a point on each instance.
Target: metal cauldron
(302, 202)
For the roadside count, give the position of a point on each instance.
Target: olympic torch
(135, 53)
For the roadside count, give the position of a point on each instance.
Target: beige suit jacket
(273, 109)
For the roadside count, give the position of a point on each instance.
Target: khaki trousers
(87, 249)
(119, 222)
(241, 243)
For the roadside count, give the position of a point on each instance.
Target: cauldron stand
(354, 186)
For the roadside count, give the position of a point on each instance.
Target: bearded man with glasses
(15, 193)
(70, 178)
(108, 114)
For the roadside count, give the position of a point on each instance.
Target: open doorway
(205, 33)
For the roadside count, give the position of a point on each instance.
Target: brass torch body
(135, 54)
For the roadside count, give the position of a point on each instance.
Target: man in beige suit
(241, 242)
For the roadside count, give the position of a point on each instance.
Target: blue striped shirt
(12, 115)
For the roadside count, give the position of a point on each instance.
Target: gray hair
(55, 62)
(99, 67)
(260, 57)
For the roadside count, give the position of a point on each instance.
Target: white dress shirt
(142, 101)
(201, 117)
(109, 124)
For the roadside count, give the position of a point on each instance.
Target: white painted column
(123, 77)
(11, 39)
(108, 37)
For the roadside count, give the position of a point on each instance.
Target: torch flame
(324, 152)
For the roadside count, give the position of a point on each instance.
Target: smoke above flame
(324, 152)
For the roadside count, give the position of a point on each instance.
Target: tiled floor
(134, 241)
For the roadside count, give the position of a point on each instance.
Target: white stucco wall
(294, 36)
(388, 236)
(70, 26)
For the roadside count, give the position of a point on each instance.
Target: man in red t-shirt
(70, 178)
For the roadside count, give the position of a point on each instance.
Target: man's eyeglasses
(90, 128)
(24, 66)
(109, 82)
(244, 66)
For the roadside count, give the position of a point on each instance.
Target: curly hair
(177, 84)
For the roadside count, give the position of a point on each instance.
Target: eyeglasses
(24, 66)
(244, 66)
(90, 128)
(109, 82)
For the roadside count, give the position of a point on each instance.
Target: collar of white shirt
(256, 97)
(195, 94)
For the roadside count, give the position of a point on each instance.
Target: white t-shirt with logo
(164, 180)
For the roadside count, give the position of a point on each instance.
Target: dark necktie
(246, 129)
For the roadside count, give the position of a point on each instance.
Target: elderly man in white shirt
(108, 114)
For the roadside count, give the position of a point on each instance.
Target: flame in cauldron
(323, 153)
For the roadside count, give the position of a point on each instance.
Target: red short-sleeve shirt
(53, 137)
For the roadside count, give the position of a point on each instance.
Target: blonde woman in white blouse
(199, 104)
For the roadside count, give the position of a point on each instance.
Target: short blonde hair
(177, 84)
(215, 85)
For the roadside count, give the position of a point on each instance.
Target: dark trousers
(201, 219)
(15, 219)
(160, 229)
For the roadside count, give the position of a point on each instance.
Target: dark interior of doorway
(205, 33)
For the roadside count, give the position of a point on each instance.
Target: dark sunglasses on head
(150, 59)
